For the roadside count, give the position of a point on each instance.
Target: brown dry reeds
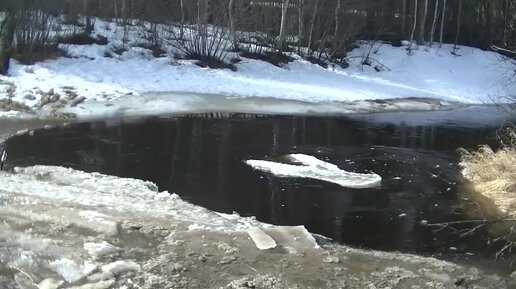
(493, 174)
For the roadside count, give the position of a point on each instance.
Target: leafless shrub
(206, 42)
(33, 31)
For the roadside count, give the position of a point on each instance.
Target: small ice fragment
(396, 178)
(331, 259)
(68, 269)
(402, 215)
(100, 249)
(196, 227)
(50, 283)
(261, 239)
(119, 267)
(106, 284)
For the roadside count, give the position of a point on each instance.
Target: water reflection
(201, 160)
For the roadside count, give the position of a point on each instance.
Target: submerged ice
(307, 166)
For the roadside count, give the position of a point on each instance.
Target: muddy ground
(168, 254)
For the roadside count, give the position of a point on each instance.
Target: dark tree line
(315, 28)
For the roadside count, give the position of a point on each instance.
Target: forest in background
(319, 30)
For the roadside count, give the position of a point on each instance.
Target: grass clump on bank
(493, 173)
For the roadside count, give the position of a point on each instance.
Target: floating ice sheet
(313, 168)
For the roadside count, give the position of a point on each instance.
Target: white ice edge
(313, 168)
(87, 192)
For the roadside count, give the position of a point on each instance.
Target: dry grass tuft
(493, 174)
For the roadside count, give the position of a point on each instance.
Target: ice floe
(307, 166)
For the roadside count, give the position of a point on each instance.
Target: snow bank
(107, 79)
(123, 195)
(313, 168)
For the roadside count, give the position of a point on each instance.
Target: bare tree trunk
(422, 23)
(442, 24)
(283, 27)
(202, 10)
(337, 14)
(124, 12)
(413, 27)
(99, 9)
(403, 17)
(133, 9)
(115, 2)
(434, 23)
(6, 42)
(312, 24)
(182, 7)
(231, 11)
(301, 24)
(459, 15)
(182, 29)
(89, 26)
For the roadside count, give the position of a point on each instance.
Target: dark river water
(201, 159)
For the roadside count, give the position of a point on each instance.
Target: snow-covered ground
(109, 81)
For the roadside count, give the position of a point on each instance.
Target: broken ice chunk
(261, 239)
(313, 168)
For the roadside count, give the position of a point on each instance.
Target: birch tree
(6, 41)
(337, 14)
(413, 27)
(434, 23)
(403, 17)
(231, 14)
(301, 23)
(422, 23)
(283, 26)
(442, 24)
(312, 24)
(457, 32)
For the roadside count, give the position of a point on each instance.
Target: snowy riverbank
(94, 81)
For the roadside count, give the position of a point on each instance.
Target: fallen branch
(508, 244)
(482, 221)
(373, 59)
(503, 50)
